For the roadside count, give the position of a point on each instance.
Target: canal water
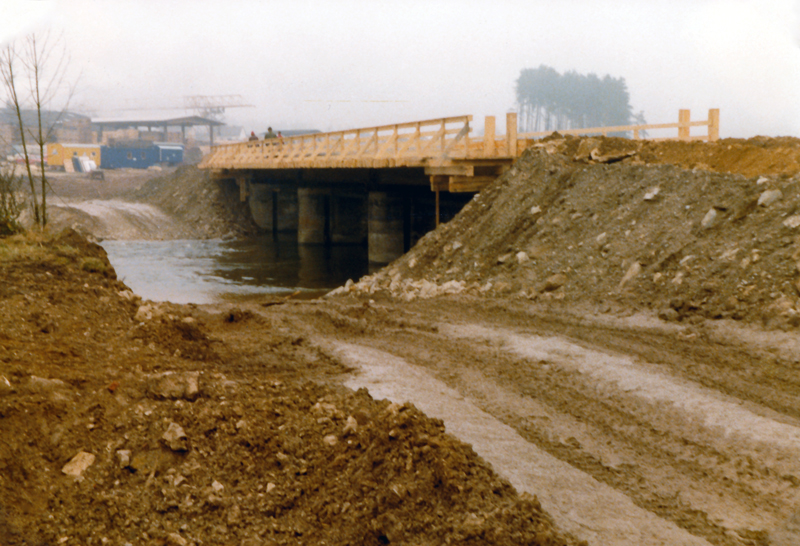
(210, 271)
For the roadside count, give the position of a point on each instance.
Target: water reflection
(209, 271)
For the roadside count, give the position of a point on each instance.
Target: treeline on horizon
(549, 101)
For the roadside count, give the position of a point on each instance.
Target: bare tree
(8, 73)
(46, 63)
(44, 60)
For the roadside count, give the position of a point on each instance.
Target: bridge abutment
(314, 212)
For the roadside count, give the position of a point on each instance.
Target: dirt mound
(682, 243)
(750, 157)
(210, 208)
(124, 422)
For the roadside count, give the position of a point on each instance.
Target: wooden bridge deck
(453, 159)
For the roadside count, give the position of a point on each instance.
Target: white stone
(522, 257)
(217, 487)
(331, 440)
(709, 218)
(124, 458)
(536, 209)
(457, 245)
(5, 385)
(78, 464)
(632, 272)
(792, 221)
(175, 438)
(352, 425)
(650, 195)
(769, 197)
(762, 180)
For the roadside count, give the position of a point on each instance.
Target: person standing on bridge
(253, 136)
(270, 134)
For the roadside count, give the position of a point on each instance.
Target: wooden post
(488, 137)
(684, 117)
(713, 124)
(437, 208)
(511, 133)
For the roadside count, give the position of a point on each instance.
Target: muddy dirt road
(629, 430)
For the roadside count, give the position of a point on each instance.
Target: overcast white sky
(338, 64)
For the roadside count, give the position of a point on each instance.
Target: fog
(340, 64)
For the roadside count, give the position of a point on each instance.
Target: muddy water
(198, 271)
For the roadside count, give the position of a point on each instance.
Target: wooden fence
(443, 143)
(683, 126)
(398, 145)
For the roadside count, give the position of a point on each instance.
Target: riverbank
(124, 422)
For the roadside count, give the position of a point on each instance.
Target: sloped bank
(123, 423)
(681, 243)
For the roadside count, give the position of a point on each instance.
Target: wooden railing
(440, 145)
(684, 127)
(399, 145)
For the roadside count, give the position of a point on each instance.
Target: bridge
(382, 184)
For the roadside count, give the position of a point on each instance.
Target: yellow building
(58, 152)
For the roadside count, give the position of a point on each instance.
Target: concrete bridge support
(348, 218)
(313, 210)
(273, 209)
(387, 226)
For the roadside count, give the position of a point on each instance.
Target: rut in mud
(716, 459)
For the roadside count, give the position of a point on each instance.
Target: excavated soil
(602, 347)
(195, 437)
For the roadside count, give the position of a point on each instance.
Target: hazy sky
(338, 64)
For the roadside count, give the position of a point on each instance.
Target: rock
(412, 263)
(351, 427)
(124, 458)
(452, 287)
(175, 438)
(601, 239)
(217, 487)
(270, 487)
(42, 385)
(632, 272)
(522, 257)
(769, 197)
(145, 312)
(554, 282)
(652, 193)
(709, 218)
(457, 245)
(5, 386)
(762, 180)
(174, 385)
(233, 515)
(174, 539)
(668, 314)
(78, 464)
(792, 221)
(536, 210)
(331, 440)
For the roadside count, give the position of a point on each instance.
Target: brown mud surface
(612, 327)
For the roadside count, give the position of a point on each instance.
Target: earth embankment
(611, 325)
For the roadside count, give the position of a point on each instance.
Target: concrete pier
(386, 226)
(313, 216)
(273, 208)
(348, 218)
